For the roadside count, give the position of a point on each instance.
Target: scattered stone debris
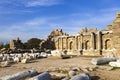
(20, 75)
(102, 60)
(44, 55)
(115, 64)
(42, 76)
(72, 73)
(82, 76)
(56, 53)
(25, 61)
(21, 57)
(5, 64)
(16, 59)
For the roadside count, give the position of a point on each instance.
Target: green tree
(32, 43)
(6, 45)
(2, 45)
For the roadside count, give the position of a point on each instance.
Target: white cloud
(5, 11)
(14, 5)
(42, 3)
(31, 3)
(40, 27)
(110, 10)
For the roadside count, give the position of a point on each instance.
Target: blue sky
(37, 18)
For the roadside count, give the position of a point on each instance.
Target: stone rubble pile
(20, 75)
(32, 74)
(74, 73)
(7, 59)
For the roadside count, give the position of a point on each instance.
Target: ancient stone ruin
(15, 44)
(90, 41)
(86, 42)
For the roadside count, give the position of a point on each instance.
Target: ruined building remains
(16, 44)
(86, 42)
(90, 41)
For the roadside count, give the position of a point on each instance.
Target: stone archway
(87, 45)
(108, 44)
(71, 45)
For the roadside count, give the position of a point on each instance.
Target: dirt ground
(46, 64)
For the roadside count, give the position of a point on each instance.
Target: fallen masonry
(102, 60)
(20, 75)
(82, 76)
(42, 76)
(7, 59)
(115, 64)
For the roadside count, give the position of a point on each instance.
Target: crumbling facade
(49, 42)
(86, 42)
(16, 44)
(91, 41)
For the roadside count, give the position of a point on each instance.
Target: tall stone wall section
(115, 27)
(93, 41)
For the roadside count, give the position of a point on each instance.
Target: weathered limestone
(118, 15)
(56, 53)
(15, 44)
(66, 43)
(81, 77)
(42, 76)
(62, 43)
(65, 79)
(25, 61)
(99, 41)
(93, 41)
(102, 60)
(17, 59)
(72, 73)
(5, 64)
(76, 43)
(4, 58)
(115, 64)
(44, 55)
(20, 75)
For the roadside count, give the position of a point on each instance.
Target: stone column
(76, 43)
(92, 41)
(66, 43)
(61, 43)
(58, 44)
(81, 44)
(99, 41)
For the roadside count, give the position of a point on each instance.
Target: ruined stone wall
(93, 41)
(88, 43)
(15, 44)
(115, 27)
